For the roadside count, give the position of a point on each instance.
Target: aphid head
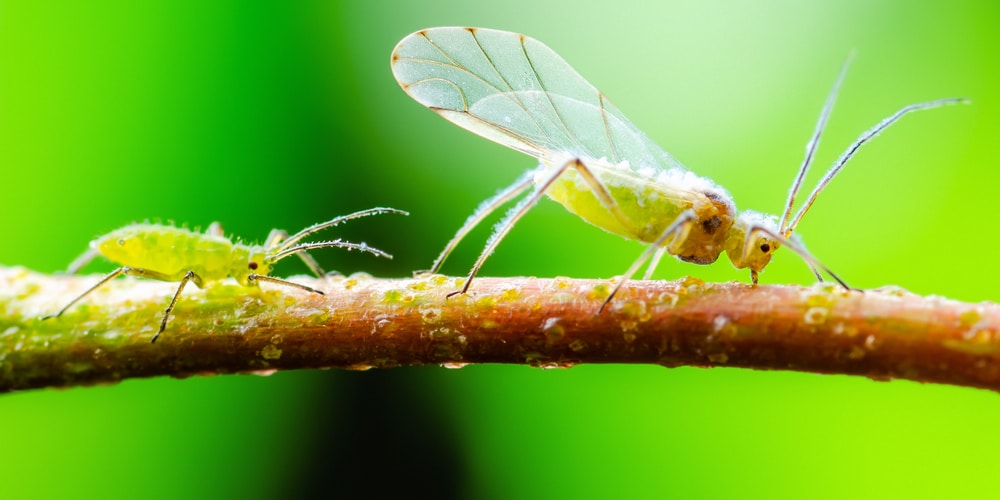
(752, 241)
(252, 260)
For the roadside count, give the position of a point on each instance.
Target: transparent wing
(515, 91)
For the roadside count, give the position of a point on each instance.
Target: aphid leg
(139, 273)
(481, 212)
(677, 230)
(82, 260)
(601, 191)
(112, 275)
(276, 236)
(312, 264)
(253, 278)
(188, 276)
(215, 229)
(811, 261)
(654, 263)
(507, 223)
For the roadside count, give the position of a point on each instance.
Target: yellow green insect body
(517, 92)
(168, 253)
(174, 251)
(649, 206)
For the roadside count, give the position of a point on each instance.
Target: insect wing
(517, 92)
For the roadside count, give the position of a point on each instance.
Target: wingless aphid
(168, 253)
(517, 92)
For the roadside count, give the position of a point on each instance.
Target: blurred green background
(281, 116)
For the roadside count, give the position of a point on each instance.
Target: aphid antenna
(363, 247)
(853, 148)
(813, 143)
(288, 243)
(796, 247)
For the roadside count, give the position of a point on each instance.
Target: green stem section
(364, 322)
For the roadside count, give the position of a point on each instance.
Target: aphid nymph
(517, 92)
(168, 253)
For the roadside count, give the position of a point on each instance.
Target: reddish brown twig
(365, 322)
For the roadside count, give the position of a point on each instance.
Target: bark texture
(364, 322)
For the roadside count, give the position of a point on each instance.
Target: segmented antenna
(853, 148)
(363, 247)
(813, 144)
(289, 242)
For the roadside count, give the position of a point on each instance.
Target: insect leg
(215, 229)
(601, 191)
(657, 257)
(188, 276)
(253, 278)
(482, 211)
(507, 223)
(811, 261)
(106, 279)
(678, 228)
(276, 236)
(82, 260)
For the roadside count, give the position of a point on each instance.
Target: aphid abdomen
(168, 250)
(651, 206)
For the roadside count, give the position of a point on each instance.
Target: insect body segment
(515, 91)
(169, 253)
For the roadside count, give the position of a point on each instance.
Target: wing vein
(460, 67)
(548, 98)
(607, 129)
(512, 94)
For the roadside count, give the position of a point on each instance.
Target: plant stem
(364, 322)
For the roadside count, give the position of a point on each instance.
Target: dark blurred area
(380, 434)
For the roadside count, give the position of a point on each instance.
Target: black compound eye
(252, 265)
(764, 247)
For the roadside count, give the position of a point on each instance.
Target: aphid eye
(252, 265)
(121, 242)
(764, 247)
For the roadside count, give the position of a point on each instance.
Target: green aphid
(168, 253)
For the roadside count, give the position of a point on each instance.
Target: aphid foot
(612, 295)
(153, 340)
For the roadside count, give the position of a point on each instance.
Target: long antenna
(813, 143)
(291, 240)
(363, 247)
(853, 148)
